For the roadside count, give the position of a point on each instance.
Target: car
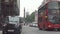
(13, 25)
(33, 25)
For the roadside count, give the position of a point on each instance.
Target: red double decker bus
(49, 15)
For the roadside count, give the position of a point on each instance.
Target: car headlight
(10, 22)
(4, 24)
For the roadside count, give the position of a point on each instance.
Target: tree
(30, 18)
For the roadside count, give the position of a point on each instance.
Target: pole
(24, 15)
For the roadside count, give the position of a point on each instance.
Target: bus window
(41, 14)
(40, 19)
(54, 8)
(53, 5)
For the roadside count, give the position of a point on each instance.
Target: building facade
(27, 14)
(9, 7)
(36, 16)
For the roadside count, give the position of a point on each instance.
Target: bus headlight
(46, 16)
(49, 25)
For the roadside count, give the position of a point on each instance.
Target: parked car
(33, 25)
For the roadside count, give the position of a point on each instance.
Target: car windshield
(13, 20)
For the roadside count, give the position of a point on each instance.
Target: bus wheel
(44, 28)
(40, 28)
(55, 29)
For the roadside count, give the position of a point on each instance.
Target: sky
(30, 6)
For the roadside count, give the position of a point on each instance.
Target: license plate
(11, 30)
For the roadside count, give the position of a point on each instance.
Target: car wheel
(17, 31)
(4, 32)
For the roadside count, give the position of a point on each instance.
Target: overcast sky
(30, 6)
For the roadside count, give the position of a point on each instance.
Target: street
(33, 30)
(0, 32)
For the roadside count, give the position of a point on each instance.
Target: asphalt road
(0, 32)
(33, 30)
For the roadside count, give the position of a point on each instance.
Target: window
(1, 0)
(53, 5)
(54, 12)
(41, 13)
(6, 0)
(54, 8)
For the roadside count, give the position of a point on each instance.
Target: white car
(34, 25)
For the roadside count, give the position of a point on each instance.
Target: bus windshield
(54, 12)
